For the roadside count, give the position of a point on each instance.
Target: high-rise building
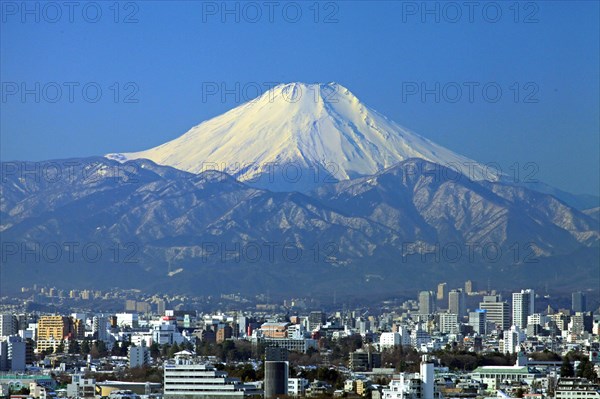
(578, 302)
(100, 328)
(457, 303)
(426, 302)
(442, 292)
(498, 311)
(276, 372)
(478, 321)
(316, 319)
(161, 306)
(8, 324)
(54, 327)
(513, 339)
(470, 287)
(523, 304)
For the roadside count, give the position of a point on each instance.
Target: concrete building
(389, 340)
(426, 302)
(8, 325)
(470, 287)
(276, 378)
(364, 360)
(297, 386)
(498, 311)
(523, 304)
(576, 388)
(457, 303)
(81, 387)
(578, 302)
(512, 340)
(478, 321)
(442, 293)
(315, 320)
(184, 378)
(13, 353)
(138, 356)
(448, 323)
(414, 385)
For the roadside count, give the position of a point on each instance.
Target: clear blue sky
(373, 48)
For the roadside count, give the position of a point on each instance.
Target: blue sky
(546, 52)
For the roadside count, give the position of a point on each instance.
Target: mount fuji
(219, 208)
(296, 136)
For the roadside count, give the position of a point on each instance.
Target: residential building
(523, 304)
(578, 302)
(457, 303)
(426, 302)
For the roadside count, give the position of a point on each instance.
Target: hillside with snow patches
(309, 129)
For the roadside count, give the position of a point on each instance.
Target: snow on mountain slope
(321, 131)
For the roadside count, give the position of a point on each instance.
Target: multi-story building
(426, 302)
(389, 340)
(497, 311)
(523, 304)
(576, 388)
(448, 323)
(52, 330)
(457, 303)
(578, 302)
(139, 356)
(315, 320)
(414, 385)
(442, 292)
(512, 340)
(184, 378)
(8, 325)
(364, 360)
(297, 386)
(478, 321)
(274, 330)
(470, 287)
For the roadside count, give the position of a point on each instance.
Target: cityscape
(287, 199)
(447, 342)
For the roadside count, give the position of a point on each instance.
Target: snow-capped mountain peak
(318, 131)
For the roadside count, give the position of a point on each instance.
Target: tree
(586, 370)
(60, 348)
(73, 346)
(85, 347)
(154, 350)
(566, 369)
(173, 350)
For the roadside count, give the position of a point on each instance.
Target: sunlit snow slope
(300, 128)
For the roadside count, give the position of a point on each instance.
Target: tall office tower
(523, 304)
(442, 292)
(426, 302)
(316, 319)
(8, 324)
(478, 321)
(578, 302)
(161, 306)
(470, 287)
(456, 303)
(498, 311)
